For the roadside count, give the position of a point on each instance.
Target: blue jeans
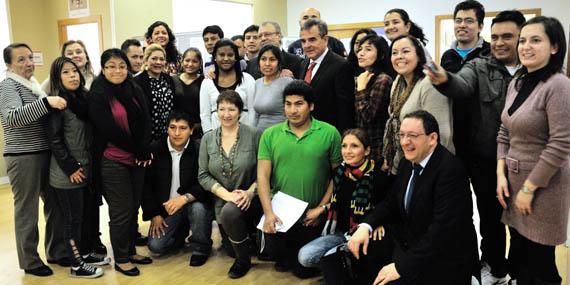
(200, 217)
(310, 255)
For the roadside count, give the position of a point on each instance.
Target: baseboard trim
(4, 180)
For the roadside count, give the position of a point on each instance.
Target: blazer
(436, 236)
(333, 85)
(158, 179)
(288, 61)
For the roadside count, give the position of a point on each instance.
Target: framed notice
(38, 58)
(78, 8)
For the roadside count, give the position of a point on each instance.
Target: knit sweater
(537, 136)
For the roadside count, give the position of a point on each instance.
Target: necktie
(309, 73)
(415, 173)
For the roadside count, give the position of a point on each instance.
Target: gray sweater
(268, 103)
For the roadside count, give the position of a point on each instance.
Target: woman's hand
(378, 233)
(523, 200)
(244, 198)
(385, 166)
(502, 190)
(56, 102)
(362, 80)
(77, 176)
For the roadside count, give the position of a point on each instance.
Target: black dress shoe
(282, 266)
(305, 272)
(145, 260)
(198, 260)
(131, 272)
(63, 262)
(100, 248)
(141, 240)
(239, 269)
(41, 271)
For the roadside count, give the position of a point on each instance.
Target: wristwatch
(525, 190)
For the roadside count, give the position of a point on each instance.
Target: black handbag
(337, 267)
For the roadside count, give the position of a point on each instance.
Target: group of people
(380, 142)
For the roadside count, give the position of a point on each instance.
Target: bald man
(334, 44)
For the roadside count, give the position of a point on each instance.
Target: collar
(479, 44)
(425, 161)
(320, 58)
(314, 126)
(172, 149)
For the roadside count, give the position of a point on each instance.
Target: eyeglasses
(467, 21)
(115, 68)
(268, 34)
(411, 136)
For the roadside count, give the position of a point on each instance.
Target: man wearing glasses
(428, 212)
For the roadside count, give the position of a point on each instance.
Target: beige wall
(271, 10)
(132, 18)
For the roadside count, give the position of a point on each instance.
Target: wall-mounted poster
(78, 8)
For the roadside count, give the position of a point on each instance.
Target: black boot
(242, 264)
(226, 244)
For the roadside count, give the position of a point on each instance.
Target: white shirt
(175, 179)
(318, 62)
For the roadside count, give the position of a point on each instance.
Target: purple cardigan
(537, 135)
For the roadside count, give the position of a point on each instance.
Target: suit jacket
(333, 85)
(435, 239)
(158, 179)
(289, 61)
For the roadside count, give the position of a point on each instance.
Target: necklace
(227, 161)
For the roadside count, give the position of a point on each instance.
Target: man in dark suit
(428, 212)
(270, 34)
(329, 75)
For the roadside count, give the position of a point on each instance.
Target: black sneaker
(86, 271)
(96, 259)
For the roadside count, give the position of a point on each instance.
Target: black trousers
(90, 231)
(531, 263)
(71, 204)
(122, 186)
(493, 232)
(286, 246)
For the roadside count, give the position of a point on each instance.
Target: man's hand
(312, 217)
(157, 227)
(387, 274)
(286, 73)
(173, 205)
(360, 237)
(437, 76)
(270, 223)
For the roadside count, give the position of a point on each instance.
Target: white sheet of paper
(288, 208)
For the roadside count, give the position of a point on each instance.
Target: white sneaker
(488, 279)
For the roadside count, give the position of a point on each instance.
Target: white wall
(422, 12)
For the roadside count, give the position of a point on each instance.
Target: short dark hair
(232, 97)
(429, 122)
(471, 5)
(56, 85)
(128, 43)
(237, 37)
(273, 49)
(171, 50)
(8, 51)
(213, 29)
(237, 64)
(299, 88)
(509, 16)
(320, 24)
(419, 70)
(555, 33)
(180, 116)
(116, 53)
(251, 28)
(360, 134)
(415, 30)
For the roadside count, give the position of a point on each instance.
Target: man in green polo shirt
(296, 158)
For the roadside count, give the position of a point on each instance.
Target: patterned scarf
(399, 97)
(361, 200)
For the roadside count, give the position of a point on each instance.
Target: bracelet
(187, 197)
(527, 191)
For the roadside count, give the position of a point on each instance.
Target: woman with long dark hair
(70, 139)
(118, 110)
(397, 23)
(228, 76)
(160, 33)
(533, 168)
(354, 46)
(187, 85)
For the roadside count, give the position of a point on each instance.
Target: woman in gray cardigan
(228, 168)
(533, 169)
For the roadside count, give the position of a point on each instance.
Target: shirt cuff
(367, 226)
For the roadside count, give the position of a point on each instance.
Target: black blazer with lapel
(158, 179)
(289, 61)
(334, 91)
(435, 239)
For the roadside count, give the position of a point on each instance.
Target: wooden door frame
(62, 24)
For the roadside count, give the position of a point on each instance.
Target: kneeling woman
(358, 185)
(70, 140)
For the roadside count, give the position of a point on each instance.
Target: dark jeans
(239, 224)
(493, 237)
(122, 187)
(531, 262)
(90, 222)
(71, 204)
(200, 217)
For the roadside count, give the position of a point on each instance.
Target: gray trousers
(28, 176)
